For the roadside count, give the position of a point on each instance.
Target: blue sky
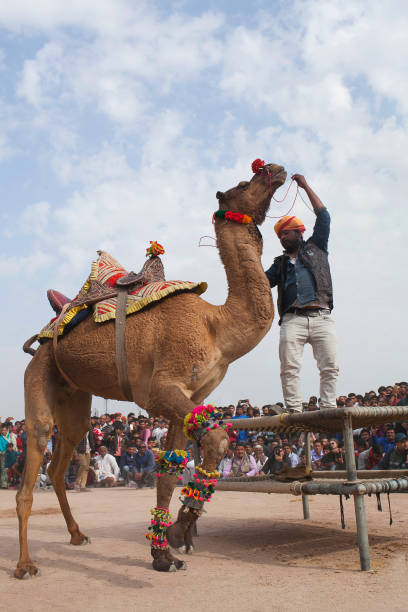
(115, 110)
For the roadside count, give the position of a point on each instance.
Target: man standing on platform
(305, 302)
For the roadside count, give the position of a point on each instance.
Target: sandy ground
(254, 552)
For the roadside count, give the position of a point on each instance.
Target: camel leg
(73, 422)
(39, 399)
(174, 405)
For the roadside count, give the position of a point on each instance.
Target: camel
(178, 351)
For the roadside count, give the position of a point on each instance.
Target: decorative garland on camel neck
(228, 215)
(197, 423)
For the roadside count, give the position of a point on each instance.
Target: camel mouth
(278, 175)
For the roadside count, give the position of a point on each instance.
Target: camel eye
(243, 185)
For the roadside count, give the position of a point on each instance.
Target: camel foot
(163, 561)
(79, 540)
(179, 564)
(27, 571)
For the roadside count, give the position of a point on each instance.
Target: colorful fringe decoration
(228, 215)
(171, 462)
(158, 529)
(203, 417)
(154, 249)
(200, 491)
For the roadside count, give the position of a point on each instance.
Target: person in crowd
(153, 446)
(275, 463)
(11, 463)
(389, 441)
(160, 431)
(396, 457)
(260, 457)
(242, 435)
(4, 440)
(145, 474)
(107, 468)
(240, 465)
(290, 455)
(305, 302)
(106, 426)
(128, 466)
(317, 454)
(144, 431)
(369, 458)
(225, 460)
(333, 457)
(71, 472)
(84, 449)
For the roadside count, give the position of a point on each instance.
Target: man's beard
(291, 245)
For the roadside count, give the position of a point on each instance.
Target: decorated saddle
(98, 295)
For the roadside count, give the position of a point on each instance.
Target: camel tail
(27, 345)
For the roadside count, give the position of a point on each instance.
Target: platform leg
(359, 507)
(362, 533)
(305, 498)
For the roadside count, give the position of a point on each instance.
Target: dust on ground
(254, 552)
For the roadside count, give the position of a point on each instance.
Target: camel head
(253, 197)
(214, 445)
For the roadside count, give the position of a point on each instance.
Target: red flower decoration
(233, 216)
(257, 166)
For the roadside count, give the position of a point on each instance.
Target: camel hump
(57, 300)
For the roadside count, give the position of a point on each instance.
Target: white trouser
(318, 330)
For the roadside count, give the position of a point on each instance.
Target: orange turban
(288, 223)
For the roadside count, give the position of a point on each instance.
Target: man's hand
(314, 199)
(300, 180)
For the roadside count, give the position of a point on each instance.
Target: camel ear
(219, 195)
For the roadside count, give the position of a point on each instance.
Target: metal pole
(359, 506)
(308, 455)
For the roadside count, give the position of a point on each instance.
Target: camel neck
(248, 310)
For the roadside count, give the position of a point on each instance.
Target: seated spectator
(145, 474)
(11, 463)
(369, 458)
(260, 457)
(107, 468)
(275, 462)
(396, 457)
(128, 465)
(241, 464)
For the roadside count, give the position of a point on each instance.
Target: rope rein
(270, 216)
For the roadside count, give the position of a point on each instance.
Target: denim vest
(309, 280)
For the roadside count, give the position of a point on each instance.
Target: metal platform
(347, 482)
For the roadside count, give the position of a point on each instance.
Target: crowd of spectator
(121, 450)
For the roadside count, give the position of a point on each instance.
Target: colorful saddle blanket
(106, 271)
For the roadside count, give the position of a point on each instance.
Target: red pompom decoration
(257, 166)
